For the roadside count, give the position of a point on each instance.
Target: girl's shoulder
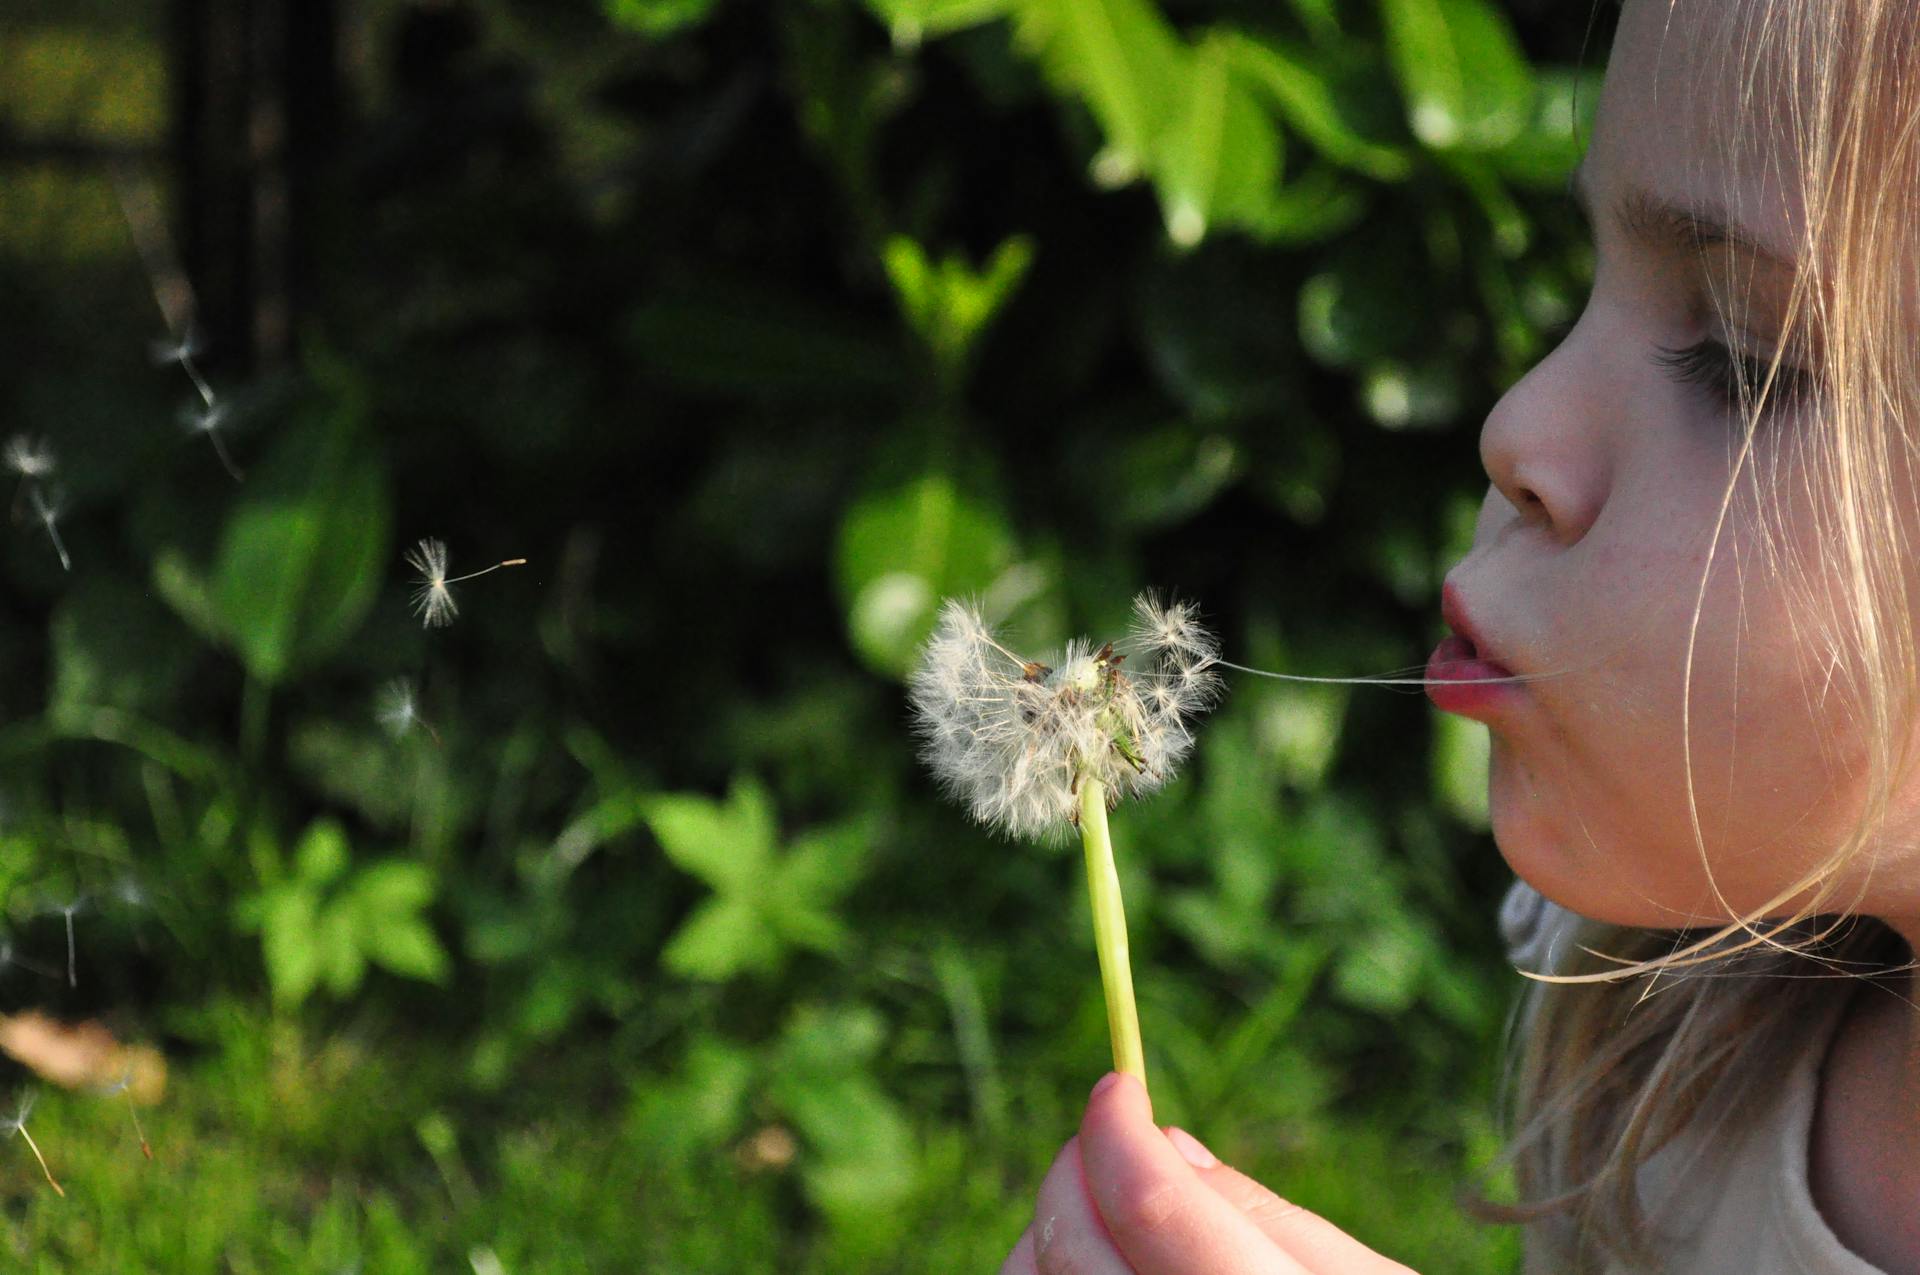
(1537, 931)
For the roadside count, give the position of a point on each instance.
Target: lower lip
(1454, 682)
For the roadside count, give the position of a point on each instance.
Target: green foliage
(759, 338)
(301, 557)
(325, 919)
(764, 901)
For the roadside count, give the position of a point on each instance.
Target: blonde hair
(1607, 1073)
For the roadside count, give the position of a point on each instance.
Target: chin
(1551, 854)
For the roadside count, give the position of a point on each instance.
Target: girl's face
(1609, 463)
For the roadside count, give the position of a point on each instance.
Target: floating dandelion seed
(17, 1123)
(208, 421)
(432, 600)
(67, 910)
(397, 710)
(46, 507)
(28, 458)
(1037, 746)
(124, 1085)
(1014, 738)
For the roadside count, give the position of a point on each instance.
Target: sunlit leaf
(1460, 66)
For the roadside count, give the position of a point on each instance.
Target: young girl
(1697, 559)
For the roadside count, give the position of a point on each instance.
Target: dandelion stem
(1110, 930)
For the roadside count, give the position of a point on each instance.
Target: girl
(1696, 561)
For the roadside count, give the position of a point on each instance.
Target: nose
(1544, 444)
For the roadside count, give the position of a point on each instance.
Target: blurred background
(615, 925)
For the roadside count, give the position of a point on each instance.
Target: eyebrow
(1665, 226)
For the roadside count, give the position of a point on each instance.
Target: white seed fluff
(1013, 738)
(432, 600)
(28, 458)
(395, 707)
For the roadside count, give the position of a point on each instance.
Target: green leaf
(337, 936)
(911, 21)
(948, 303)
(322, 854)
(1221, 162)
(304, 554)
(289, 944)
(1466, 82)
(824, 864)
(729, 846)
(658, 17)
(1545, 153)
(1330, 96)
(1319, 17)
(394, 890)
(724, 936)
(112, 646)
(1122, 58)
(901, 551)
(185, 589)
(1318, 206)
(408, 947)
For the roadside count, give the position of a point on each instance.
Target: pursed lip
(1453, 611)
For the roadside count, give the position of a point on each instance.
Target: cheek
(1589, 797)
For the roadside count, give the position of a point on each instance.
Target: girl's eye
(1715, 368)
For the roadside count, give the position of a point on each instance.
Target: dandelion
(1015, 739)
(432, 600)
(1036, 747)
(17, 1123)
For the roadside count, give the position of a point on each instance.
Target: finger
(1021, 1260)
(1069, 1237)
(1312, 1240)
(1163, 1219)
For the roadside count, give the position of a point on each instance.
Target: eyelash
(1715, 368)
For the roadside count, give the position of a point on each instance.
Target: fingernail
(1190, 1149)
(1105, 1083)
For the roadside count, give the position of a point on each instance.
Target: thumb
(1306, 1237)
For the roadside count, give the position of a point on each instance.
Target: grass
(276, 1150)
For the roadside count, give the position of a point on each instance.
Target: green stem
(1110, 930)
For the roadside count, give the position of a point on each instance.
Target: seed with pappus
(1014, 738)
(432, 600)
(28, 458)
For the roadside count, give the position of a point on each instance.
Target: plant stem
(1110, 930)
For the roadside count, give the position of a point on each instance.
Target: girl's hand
(1125, 1198)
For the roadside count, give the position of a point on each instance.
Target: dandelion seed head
(432, 600)
(27, 457)
(1013, 738)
